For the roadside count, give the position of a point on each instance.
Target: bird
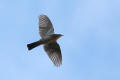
(48, 40)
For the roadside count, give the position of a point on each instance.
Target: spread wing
(54, 53)
(45, 26)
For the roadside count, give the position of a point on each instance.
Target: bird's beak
(62, 35)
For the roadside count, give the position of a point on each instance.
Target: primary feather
(54, 53)
(45, 26)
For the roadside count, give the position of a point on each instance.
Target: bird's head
(57, 36)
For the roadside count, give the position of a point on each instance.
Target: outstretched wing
(54, 53)
(45, 26)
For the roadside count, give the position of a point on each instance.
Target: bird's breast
(49, 40)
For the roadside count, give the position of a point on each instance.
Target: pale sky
(90, 45)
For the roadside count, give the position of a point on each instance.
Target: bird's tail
(34, 44)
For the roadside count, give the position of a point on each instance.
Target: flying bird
(48, 40)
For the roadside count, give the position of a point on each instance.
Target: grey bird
(48, 40)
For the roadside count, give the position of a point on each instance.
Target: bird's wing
(45, 26)
(54, 53)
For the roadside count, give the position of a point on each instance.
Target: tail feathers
(34, 44)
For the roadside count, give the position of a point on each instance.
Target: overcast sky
(90, 45)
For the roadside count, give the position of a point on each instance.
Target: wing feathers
(54, 53)
(45, 26)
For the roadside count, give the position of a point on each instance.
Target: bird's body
(49, 40)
